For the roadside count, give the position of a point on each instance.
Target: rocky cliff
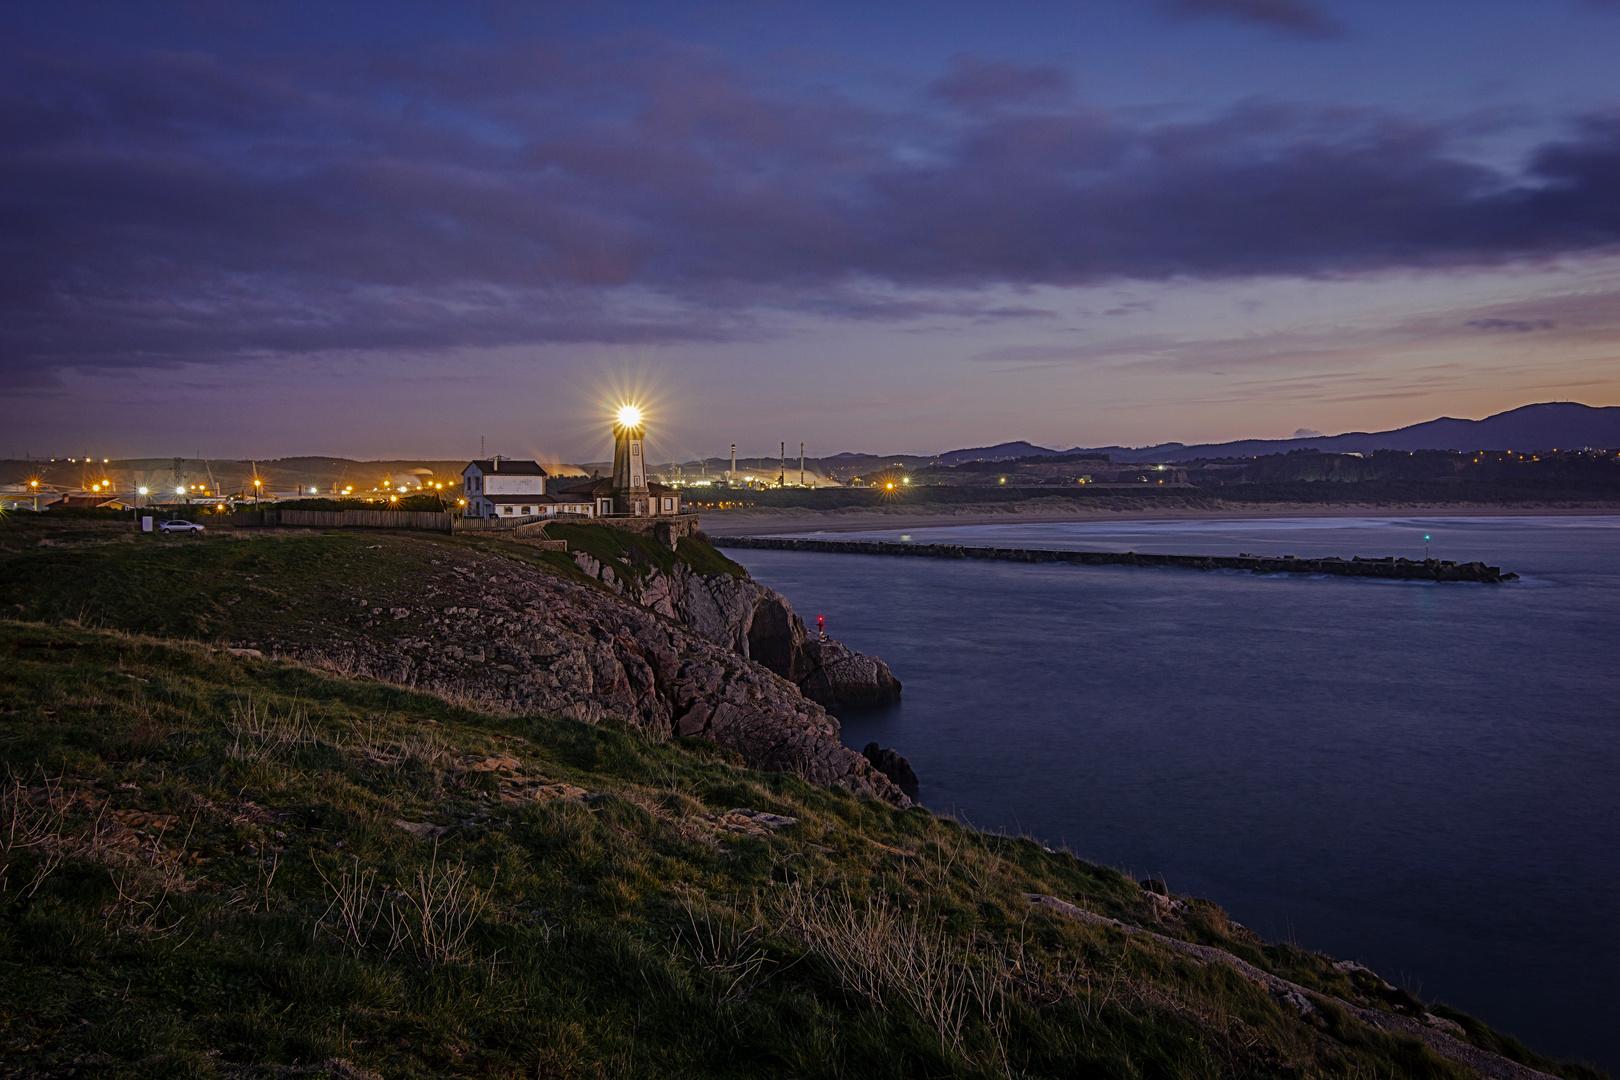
(657, 640)
(753, 621)
(498, 632)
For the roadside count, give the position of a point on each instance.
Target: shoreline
(770, 521)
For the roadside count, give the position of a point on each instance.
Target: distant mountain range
(1552, 425)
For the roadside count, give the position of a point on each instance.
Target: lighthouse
(630, 492)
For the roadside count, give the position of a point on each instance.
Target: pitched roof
(604, 486)
(508, 466)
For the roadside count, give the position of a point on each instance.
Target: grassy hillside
(214, 865)
(242, 585)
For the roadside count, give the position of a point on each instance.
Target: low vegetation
(221, 865)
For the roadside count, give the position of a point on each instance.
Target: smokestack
(801, 464)
(781, 477)
(731, 477)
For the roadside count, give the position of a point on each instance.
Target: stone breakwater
(1389, 568)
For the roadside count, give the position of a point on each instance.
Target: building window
(669, 505)
(506, 509)
(525, 511)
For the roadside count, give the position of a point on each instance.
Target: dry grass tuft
(260, 735)
(721, 946)
(431, 914)
(31, 826)
(891, 958)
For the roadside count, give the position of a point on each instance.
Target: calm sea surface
(1422, 777)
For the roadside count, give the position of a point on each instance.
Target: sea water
(1422, 777)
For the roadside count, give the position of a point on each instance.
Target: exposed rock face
(841, 678)
(892, 765)
(758, 622)
(496, 632)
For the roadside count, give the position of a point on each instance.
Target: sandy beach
(772, 521)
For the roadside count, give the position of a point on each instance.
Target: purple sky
(259, 229)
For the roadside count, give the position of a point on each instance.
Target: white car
(179, 527)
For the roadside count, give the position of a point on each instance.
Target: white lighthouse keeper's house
(505, 488)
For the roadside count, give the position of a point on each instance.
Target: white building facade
(513, 490)
(503, 487)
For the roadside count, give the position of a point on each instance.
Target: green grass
(179, 827)
(250, 585)
(637, 555)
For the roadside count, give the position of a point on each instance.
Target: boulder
(841, 678)
(892, 765)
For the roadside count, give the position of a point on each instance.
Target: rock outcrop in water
(757, 622)
(891, 764)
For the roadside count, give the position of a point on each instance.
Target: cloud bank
(169, 207)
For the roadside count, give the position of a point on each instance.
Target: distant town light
(179, 491)
(142, 491)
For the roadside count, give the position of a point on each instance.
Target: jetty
(1390, 568)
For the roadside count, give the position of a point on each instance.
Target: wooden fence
(426, 521)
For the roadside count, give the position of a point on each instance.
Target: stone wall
(667, 529)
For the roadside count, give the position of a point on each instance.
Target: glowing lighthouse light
(629, 487)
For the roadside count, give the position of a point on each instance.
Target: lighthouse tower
(630, 493)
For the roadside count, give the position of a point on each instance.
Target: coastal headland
(359, 803)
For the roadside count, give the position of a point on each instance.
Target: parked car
(178, 526)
